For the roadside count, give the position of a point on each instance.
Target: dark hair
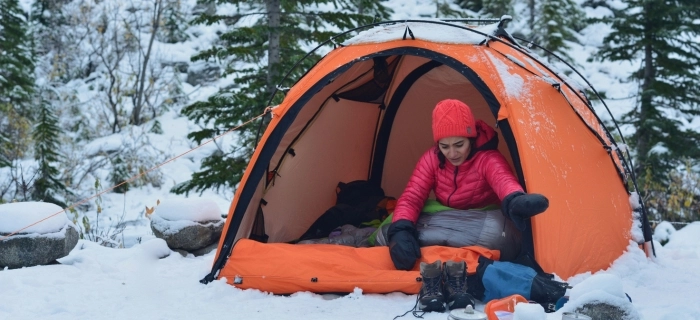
(442, 159)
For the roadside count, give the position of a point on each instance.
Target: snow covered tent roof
(363, 112)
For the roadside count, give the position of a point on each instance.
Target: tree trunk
(642, 136)
(138, 104)
(531, 20)
(273, 52)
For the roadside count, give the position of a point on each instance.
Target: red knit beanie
(452, 118)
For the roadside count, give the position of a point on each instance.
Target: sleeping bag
(461, 228)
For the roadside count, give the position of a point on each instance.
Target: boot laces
(458, 283)
(432, 286)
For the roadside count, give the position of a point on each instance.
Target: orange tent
(363, 113)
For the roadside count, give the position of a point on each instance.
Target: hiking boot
(430, 297)
(455, 277)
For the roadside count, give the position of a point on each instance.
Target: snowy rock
(188, 224)
(602, 310)
(601, 296)
(208, 8)
(34, 233)
(31, 249)
(179, 66)
(663, 232)
(155, 249)
(202, 73)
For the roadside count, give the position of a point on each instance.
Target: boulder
(202, 73)
(31, 249)
(601, 296)
(601, 310)
(186, 235)
(178, 66)
(208, 8)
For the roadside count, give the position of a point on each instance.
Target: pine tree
(554, 23)
(46, 135)
(663, 34)
(16, 64)
(488, 9)
(16, 81)
(174, 23)
(4, 161)
(257, 54)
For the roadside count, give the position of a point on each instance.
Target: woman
(466, 171)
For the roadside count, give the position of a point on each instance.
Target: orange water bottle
(503, 309)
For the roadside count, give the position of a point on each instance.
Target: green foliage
(4, 161)
(90, 229)
(157, 128)
(16, 58)
(16, 82)
(556, 23)
(47, 12)
(677, 197)
(663, 34)
(121, 171)
(46, 135)
(493, 9)
(15, 130)
(249, 51)
(173, 23)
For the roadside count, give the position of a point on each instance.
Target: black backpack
(356, 203)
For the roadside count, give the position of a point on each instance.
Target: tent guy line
(267, 110)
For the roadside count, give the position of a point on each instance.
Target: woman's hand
(519, 206)
(403, 244)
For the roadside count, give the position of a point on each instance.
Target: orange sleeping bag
(282, 268)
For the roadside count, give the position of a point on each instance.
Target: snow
(148, 281)
(513, 83)
(529, 311)
(106, 144)
(607, 283)
(436, 32)
(663, 231)
(176, 214)
(686, 239)
(600, 288)
(18, 215)
(189, 209)
(622, 147)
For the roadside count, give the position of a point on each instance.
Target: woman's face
(455, 149)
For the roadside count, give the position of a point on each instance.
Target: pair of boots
(444, 284)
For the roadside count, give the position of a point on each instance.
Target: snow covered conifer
(493, 9)
(16, 81)
(173, 23)
(16, 64)
(263, 40)
(663, 34)
(554, 23)
(46, 135)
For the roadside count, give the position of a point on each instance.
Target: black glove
(519, 206)
(403, 244)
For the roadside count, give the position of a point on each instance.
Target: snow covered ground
(148, 281)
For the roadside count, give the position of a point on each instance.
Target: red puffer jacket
(483, 179)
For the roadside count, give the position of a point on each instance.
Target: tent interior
(370, 122)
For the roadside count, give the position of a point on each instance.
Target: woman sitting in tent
(465, 171)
